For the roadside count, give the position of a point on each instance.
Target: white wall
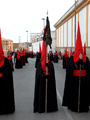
(69, 33)
(74, 28)
(82, 23)
(36, 46)
(89, 26)
(65, 34)
(59, 37)
(62, 36)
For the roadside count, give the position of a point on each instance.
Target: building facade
(7, 44)
(23, 45)
(15, 46)
(33, 36)
(38, 39)
(65, 26)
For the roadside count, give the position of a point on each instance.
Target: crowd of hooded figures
(76, 95)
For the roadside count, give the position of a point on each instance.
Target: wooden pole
(46, 81)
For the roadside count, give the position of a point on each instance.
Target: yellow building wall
(66, 20)
(9, 45)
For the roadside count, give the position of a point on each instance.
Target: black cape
(55, 59)
(11, 63)
(39, 93)
(51, 57)
(26, 57)
(23, 61)
(32, 55)
(70, 97)
(64, 62)
(18, 63)
(7, 104)
(38, 59)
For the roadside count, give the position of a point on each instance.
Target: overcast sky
(17, 16)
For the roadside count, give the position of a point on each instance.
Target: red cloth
(65, 53)
(18, 55)
(77, 73)
(21, 54)
(9, 56)
(78, 48)
(51, 51)
(55, 53)
(43, 56)
(84, 48)
(70, 52)
(1, 52)
(1, 75)
(60, 54)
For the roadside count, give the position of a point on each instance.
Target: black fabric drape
(7, 104)
(38, 59)
(70, 97)
(18, 63)
(55, 59)
(39, 93)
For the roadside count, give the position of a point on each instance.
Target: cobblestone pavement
(24, 81)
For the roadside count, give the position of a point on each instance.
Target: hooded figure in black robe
(51, 56)
(60, 56)
(38, 58)
(7, 104)
(22, 57)
(10, 60)
(65, 59)
(55, 57)
(26, 54)
(40, 81)
(18, 63)
(32, 55)
(77, 91)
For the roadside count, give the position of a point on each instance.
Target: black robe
(7, 104)
(70, 97)
(32, 55)
(11, 63)
(22, 59)
(18, 63)
(26, 57)
(38, 59)
(55, 59)
(51, 57)
(65, 62)
(39, 93)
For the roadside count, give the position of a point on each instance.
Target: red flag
(43, 55)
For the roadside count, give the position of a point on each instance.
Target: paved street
(24, 81)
